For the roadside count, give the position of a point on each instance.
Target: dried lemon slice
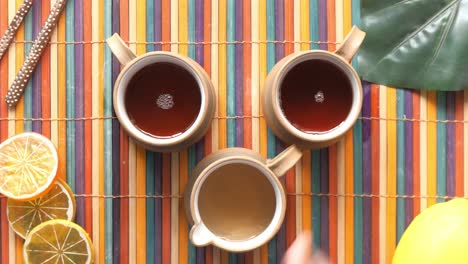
(58, 241)
(28, 166)
(58, 203)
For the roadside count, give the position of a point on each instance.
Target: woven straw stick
(17, 89)
(7, 38)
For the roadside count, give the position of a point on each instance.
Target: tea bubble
(165, 101)
(319, 97)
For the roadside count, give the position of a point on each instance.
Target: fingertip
(300, 250)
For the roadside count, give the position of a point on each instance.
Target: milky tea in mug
(234, 199)
(237, 201)
(163, 100)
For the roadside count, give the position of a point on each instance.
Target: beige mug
(312, 98)
(235, 200)
(163, 100)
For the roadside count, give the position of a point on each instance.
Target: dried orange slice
(58, 203)
(58, 241)
(28, 166)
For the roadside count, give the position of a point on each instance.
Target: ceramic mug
(235, 200)
(302, 100)
(172, 68)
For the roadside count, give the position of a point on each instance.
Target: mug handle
(200, 235)
(351, 44)
(285, 160)
(120, 49)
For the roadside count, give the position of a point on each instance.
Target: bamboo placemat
(405, 153)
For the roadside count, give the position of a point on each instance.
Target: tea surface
(237, 202)
(163, 100)
(315, 96)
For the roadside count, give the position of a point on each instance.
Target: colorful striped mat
(404, 154)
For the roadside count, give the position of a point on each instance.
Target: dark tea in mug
(316, 96)
(163, 100)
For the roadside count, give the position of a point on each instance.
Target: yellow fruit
(438, 235)
(28, 166)
(58, 203)
(58, 241)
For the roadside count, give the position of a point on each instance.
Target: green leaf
(420, 44)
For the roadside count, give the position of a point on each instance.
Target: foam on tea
(237, 202)
(163, 100)
(316, 96)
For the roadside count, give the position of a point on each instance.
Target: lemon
(438, 235)
(58, 241)
(58, 203)
(28, 166)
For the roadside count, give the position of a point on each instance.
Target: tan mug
(235, 200)
(312, 98)
(163, 100)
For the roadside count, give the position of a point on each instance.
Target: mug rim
(356, 90)
(121, 86)
(269, 232)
